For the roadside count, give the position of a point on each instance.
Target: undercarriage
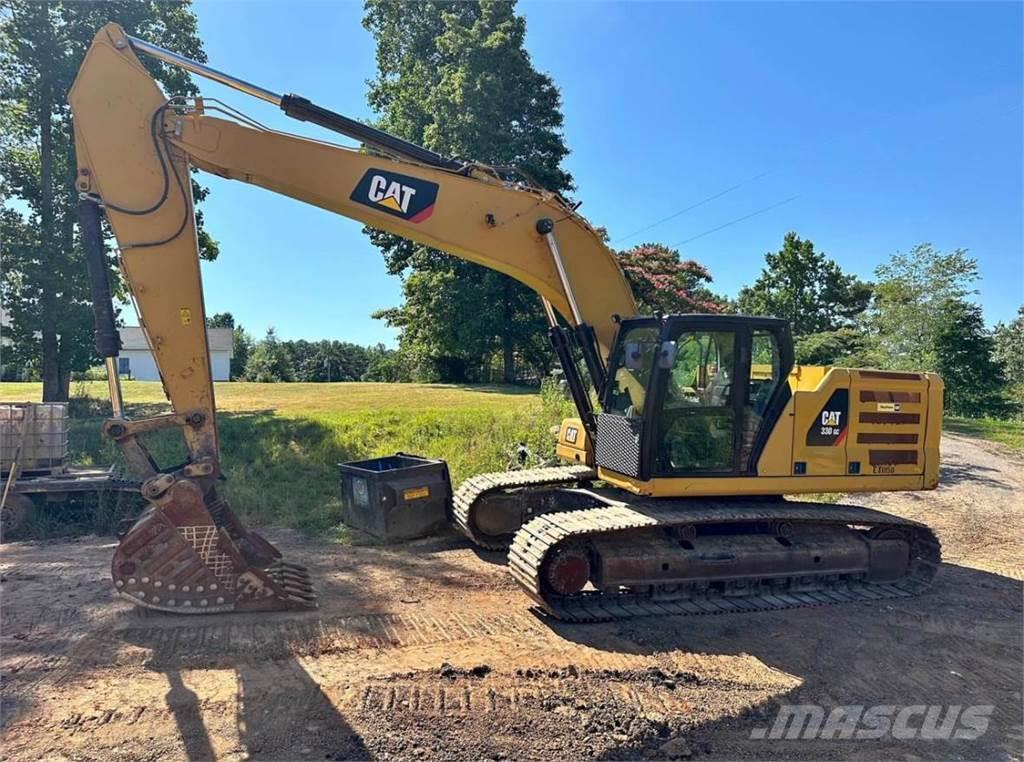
(586, 554)
(633, 557)
(490, 508)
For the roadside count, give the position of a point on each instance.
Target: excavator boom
(135, 150)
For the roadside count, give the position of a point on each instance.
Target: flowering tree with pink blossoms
(664, 283)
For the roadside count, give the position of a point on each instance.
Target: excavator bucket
(192, 555)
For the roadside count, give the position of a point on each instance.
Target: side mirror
(667, 355)
(634, 359)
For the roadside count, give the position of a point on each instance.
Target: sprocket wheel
(568, 570)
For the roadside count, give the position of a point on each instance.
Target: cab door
(698, 425)
(720, 396)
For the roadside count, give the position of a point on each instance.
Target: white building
(9, 371)
(136, 361)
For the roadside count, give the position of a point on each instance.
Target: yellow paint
(186, 316)
(777, 458)
(710, 486)
(827, 467)
(933, 430)
(573, 443)
(861, 452)
(821, 461)
(416, 493)
(807, 376)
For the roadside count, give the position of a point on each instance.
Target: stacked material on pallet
(34, 435)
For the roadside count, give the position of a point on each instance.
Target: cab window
(765, 368)
(765, 376)
(696, 429)
(703, 370)
(631, 368)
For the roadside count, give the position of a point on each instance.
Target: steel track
(537, 539)
(467, 498)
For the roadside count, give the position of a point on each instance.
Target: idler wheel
(568, 571)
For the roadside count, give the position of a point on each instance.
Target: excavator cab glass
(697, 422)
(700, 392)
(632, 364)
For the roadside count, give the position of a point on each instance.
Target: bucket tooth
(301, 594)
(287, 579)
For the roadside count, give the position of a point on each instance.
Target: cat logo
(402, 196)
(391, 194)
(830, 417)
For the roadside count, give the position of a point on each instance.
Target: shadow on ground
(956, 646)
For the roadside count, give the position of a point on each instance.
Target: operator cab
(691, 395)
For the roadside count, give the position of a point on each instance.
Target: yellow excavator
(690, 428)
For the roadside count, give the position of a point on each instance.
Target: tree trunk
(56, 379)
(53, 389)
(64, 384)
(508, 359)
(508, 355)
(51, 366)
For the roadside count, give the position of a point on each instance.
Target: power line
(733, 222)
(692, 206)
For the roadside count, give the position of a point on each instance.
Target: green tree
(23, 271)
(806, 288)
(964, 349)
(664, 283)
(1009, 352)
(241, 342)
(326, 360)
(242, 345)
(844, 346)
(385, 364)
(1009, 347)
(269, 361)
(456, 78)
(912, 304)
(44, 288)
(221, 320)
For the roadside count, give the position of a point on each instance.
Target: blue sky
(866, 127)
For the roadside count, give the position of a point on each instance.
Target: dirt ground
(427, 650)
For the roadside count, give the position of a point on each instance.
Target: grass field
(281, 442)
(1009, 433)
